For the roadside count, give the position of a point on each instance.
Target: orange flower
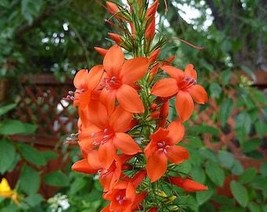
(108, 176)
(85, 82)
(106, 133)
(119, 79)
(187, 184)
(123, 196)
(184, 86)
(162, 147)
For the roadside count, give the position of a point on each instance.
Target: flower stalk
(124, 133)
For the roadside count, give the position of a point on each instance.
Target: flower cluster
(124, 133)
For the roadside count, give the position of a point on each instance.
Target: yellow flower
(7, 192)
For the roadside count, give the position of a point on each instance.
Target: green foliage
(7, 155)
(11, 127)
(240, 193)
(29, 181)
(56, 178)
(59, 36)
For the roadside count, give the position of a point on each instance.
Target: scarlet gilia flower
(123, 196)
(162, 147)
(184, 86)
(187, 184)
(85, 82)
(119, 80)
(106, 133)
(108, 177)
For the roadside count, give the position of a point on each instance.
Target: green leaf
(6, 108)
(225, 77)
(253, 207)
(243, 122)
(215, 173)
(198, 174)
(30, 9)
(7, 155)
(208, 154)
(11, 127)
(261, 128)
(248, 175)
(226, 159)
(240, 193)
(250, 145)
(34, 199)
(225, 111)
(204, 196)
(77, 185)
(49, 155)
(203, 129)
(57, 178)
(248, 71)
(215, 90)
(237, 168)
(263, 169)
(32, 155)
(29, 181)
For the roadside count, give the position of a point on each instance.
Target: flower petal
(177, 154)
(129, 99)
(93, 160)
(190, 71)
(94, 76)
(107, 97)
(126, 144)
(98, 115)
(79, 80)
(176, 132)
(165, 87)
(83, 166)
(113, 60)
(120, 120)
(184, 105)
(175, 73)
(156, 166)
(134, 69)
(106, 154)
(198, 93)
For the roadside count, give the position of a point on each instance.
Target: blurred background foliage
(227, 138)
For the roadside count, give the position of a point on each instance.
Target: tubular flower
(162, 147)
(106, 133)
(184, 86)
(85, 82)
(120, 78)
(187, 184)
(123, 196)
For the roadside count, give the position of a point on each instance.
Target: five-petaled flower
(162, 147)
(184, 86)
